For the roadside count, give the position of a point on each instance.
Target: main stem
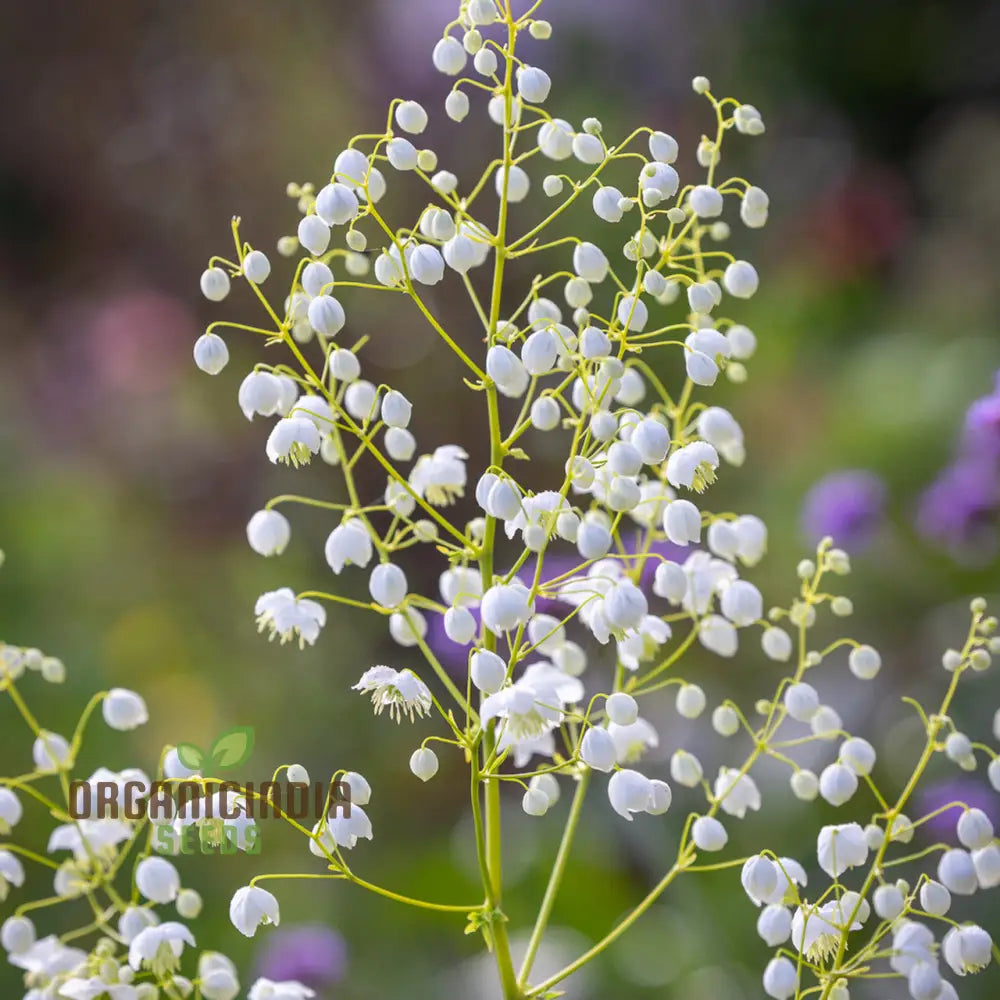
(494, 864)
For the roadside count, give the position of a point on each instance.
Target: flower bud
(622, 708)
(210, 353)
(124, 709)
(157, 880)
(488, 671)
(268, 532)
(597, 749)
(424, 763)
(314, 234)
(387, 585)
(215, 284)
(449, 56)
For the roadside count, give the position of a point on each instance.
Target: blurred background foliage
(136, 129)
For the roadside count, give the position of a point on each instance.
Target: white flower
(460, 626)
(50, 751)
(708, 834)
(740, 279)
(957, 872)
(407, 627)
(801, 701)
(701, 369)
(157, 880)
(78, 988)
(326, 315)
(217, 975)
(760, 879)
(411, 117)
(742, 603)
(424, 763)
(974, 829)
(263, 393)
(256, 267)
(440, 478)
(530, 708)
(396, 409)
(387, 585)
(753, 207)
(624, 606)
(816, 931)
(912, 943)
(214, 284)
(651, 439)
(864, 662)
(858, 754)
(597, 749)
(690, 701)
(632, 741)
(533, 84)
(967, 949)
(11, 872)
(268, 532)
(693, 466)
(935, 898)
(48, 957)
(159, 948)
(888, 901)
(735, 792)
(361, 791)
(124, 709)
(622, 708)
(252, 906)
(718, 635)
(986, 861)
(426, 265)
(705, 201)
(607, 204)
(268, 989)
(628, 792)
(776, 643)
(507, 370)
(505, 606)
(774, 924)
(841, 847)
(837, 783)
(314, 234)
(286, 616)
(720, 429)
(349, 544)
(210, 353)
(400, 690)
(293, 440)
(17, 935)
(10, 810)
(488, 671)
(591, 264)
(781, 978)
(682, 522)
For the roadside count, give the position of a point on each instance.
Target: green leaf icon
(233, 747)
(192, 757)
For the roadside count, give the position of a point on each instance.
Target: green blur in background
(136, 130)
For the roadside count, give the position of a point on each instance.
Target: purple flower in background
(973, 793)
(847, 505)
(958, 510)
(310, 953)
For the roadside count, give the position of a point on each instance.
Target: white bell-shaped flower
(708, 834)
(488, 671)
(957, 872)
(533, 84)
(157, 880)
(124, 709)
(424, 763)
(210, 353)
(841, 847)
(268, 532)
(215, 284)
(597, 749)
(387, 585)
(967, 949)
(251, 907)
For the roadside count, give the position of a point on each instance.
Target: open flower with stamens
(286, 616)
(401, 691)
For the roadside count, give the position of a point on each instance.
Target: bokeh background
(135, 130)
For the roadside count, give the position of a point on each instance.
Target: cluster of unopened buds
(571, 606)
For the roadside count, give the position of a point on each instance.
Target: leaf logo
(229, 750)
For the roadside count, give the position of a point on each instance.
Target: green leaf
(192, 757)
(233, 747)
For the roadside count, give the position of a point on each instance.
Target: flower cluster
(959, 509)
(565, 604)
(130, 913)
